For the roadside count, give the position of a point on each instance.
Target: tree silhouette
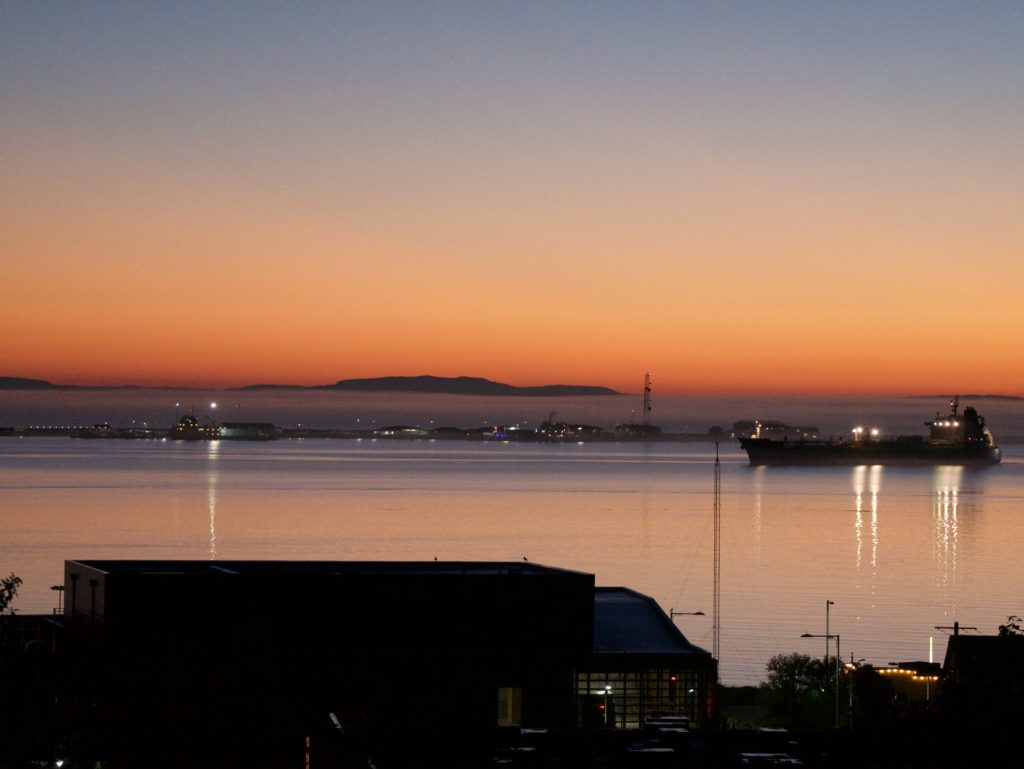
(8, 589)
(796, 692)
(1012, 626)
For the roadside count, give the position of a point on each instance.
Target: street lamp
(828, 604)
(827, 637)
(607, 691)
(672, 613)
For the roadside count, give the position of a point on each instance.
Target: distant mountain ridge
(21, 383)
(462, 385)
(973, 397)
(439, 385)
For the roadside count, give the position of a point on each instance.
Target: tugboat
(954, 439)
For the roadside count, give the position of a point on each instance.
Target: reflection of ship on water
(866, 480)
(954, 439)
(947, 483)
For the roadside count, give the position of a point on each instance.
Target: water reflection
(578, 509)
(947, 481)
(758, 490)
(867, 479)
(212, 481)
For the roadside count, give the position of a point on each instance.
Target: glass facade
(624, 699)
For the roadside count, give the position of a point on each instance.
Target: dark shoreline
(388, 433)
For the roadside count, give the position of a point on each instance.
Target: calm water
(899, 550)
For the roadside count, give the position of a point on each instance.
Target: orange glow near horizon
(777, 222)
(180, 306)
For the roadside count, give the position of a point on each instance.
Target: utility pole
(956, 627)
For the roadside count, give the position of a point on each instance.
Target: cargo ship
(953, 439)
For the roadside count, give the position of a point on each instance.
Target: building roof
(985, 658)
(321, 567)
(628, 621)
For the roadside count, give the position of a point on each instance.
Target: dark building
(235, 659)
(641, 666)
(983, 681)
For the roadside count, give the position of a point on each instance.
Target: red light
(672, 678)
(600, 707)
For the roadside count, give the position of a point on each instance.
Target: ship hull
(767, 451)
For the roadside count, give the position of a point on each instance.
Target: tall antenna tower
(647, 399)
(716, 619)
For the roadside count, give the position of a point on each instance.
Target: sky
(775, 197)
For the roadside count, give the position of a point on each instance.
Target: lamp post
(827, 637)
(672, 613)
(852, 667)
(607, 691)
(828, 604)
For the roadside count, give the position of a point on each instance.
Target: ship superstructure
(954, 439)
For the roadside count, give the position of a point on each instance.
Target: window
(624, 699)
(510, 706)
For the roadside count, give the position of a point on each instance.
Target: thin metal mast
(647, 399)
(716, 629)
